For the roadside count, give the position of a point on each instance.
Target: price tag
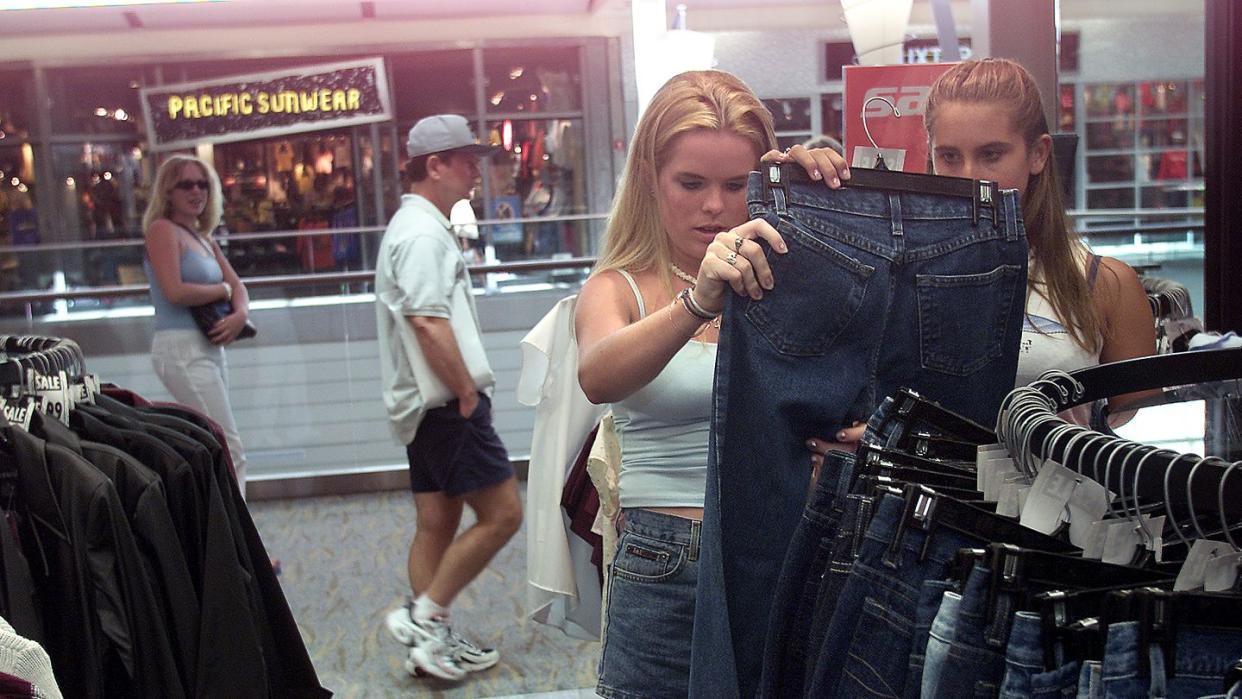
(991, 476)
(1222, 573)
(1193, 572)
(1087, 505)
(1097, 536)
(53, 399)
(18, 411)
(1125, 538)
(1009, 503)
(1050, 494)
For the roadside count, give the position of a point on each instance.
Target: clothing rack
(1183, 482)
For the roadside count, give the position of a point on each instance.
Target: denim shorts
(650, 612)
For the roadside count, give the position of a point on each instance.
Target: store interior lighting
(877, 29)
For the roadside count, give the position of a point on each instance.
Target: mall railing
(306, 392)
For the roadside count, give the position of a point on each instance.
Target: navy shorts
(456, 455)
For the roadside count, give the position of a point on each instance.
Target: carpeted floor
(343, 561)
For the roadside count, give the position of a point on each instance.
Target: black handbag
(208, 314)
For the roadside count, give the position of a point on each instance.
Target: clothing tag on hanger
(1222, 573)
(1009, 502)
(1023, 492)
(989, 451)
(71, 393)
(92, 385)
(991, 475)
(1087, 505)
(1123, 542)
(18, 411)
(1050, 493)
(1097, 536)
(53, 400)
(1194, 569)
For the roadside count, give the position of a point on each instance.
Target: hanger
(1220, 498)
(879, 155)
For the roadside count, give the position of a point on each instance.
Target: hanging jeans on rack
(879, 290)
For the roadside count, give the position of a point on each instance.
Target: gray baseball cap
(443, 132)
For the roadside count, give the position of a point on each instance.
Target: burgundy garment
(580, 501)
(14, 686)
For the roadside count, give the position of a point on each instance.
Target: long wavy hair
(635, 239)
(160, 205)
(1056, 250)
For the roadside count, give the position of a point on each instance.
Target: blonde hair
(701, 99)
(1056, 250)
(160, 205)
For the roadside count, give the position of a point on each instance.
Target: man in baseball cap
(437, 391)
(443, 133)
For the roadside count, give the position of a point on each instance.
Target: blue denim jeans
(1122, 676)
(965, 660)
(878, 291)
(1061, 683)
(1200, 658)
(938, 642)
(1024, 655)
(650, 607)
(1091, 680)
(866, 651)
(931, 597)
(805, 568)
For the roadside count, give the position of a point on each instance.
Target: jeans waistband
(664, 527)
(795, 190)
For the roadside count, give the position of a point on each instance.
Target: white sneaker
(433, 651)
(470, 657)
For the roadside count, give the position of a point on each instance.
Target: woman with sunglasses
(187, 268)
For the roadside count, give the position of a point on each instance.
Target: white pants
(195, 372)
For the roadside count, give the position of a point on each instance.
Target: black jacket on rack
(98, 607)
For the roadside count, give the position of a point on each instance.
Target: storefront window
(95, 100)
(1147, 136)
(19, 222)
(540, 174)
(304, 182)
(432, 82)
(14, 106)
(532, 80)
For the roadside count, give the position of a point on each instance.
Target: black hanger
(918, 410)
(981, 193)
(928, 445)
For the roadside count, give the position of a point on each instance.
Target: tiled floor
(343, 561)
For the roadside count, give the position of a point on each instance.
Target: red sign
(873, 92)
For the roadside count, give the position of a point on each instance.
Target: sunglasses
(187, 185)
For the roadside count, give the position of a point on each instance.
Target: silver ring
(737, 243)
(731, 258)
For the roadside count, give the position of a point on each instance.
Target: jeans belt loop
(1012, 232)
(696, 529)
(894, 209)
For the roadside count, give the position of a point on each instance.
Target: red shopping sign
(871, 92)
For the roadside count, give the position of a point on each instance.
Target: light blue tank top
(663, 429)
(196, 269)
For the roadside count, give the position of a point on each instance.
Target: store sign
(871, 93)
(266, 104)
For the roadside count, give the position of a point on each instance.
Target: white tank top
(1046, 343)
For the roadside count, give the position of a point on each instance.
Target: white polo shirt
(420, 271)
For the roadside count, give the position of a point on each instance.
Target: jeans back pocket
(818, 290)
(954, 338)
